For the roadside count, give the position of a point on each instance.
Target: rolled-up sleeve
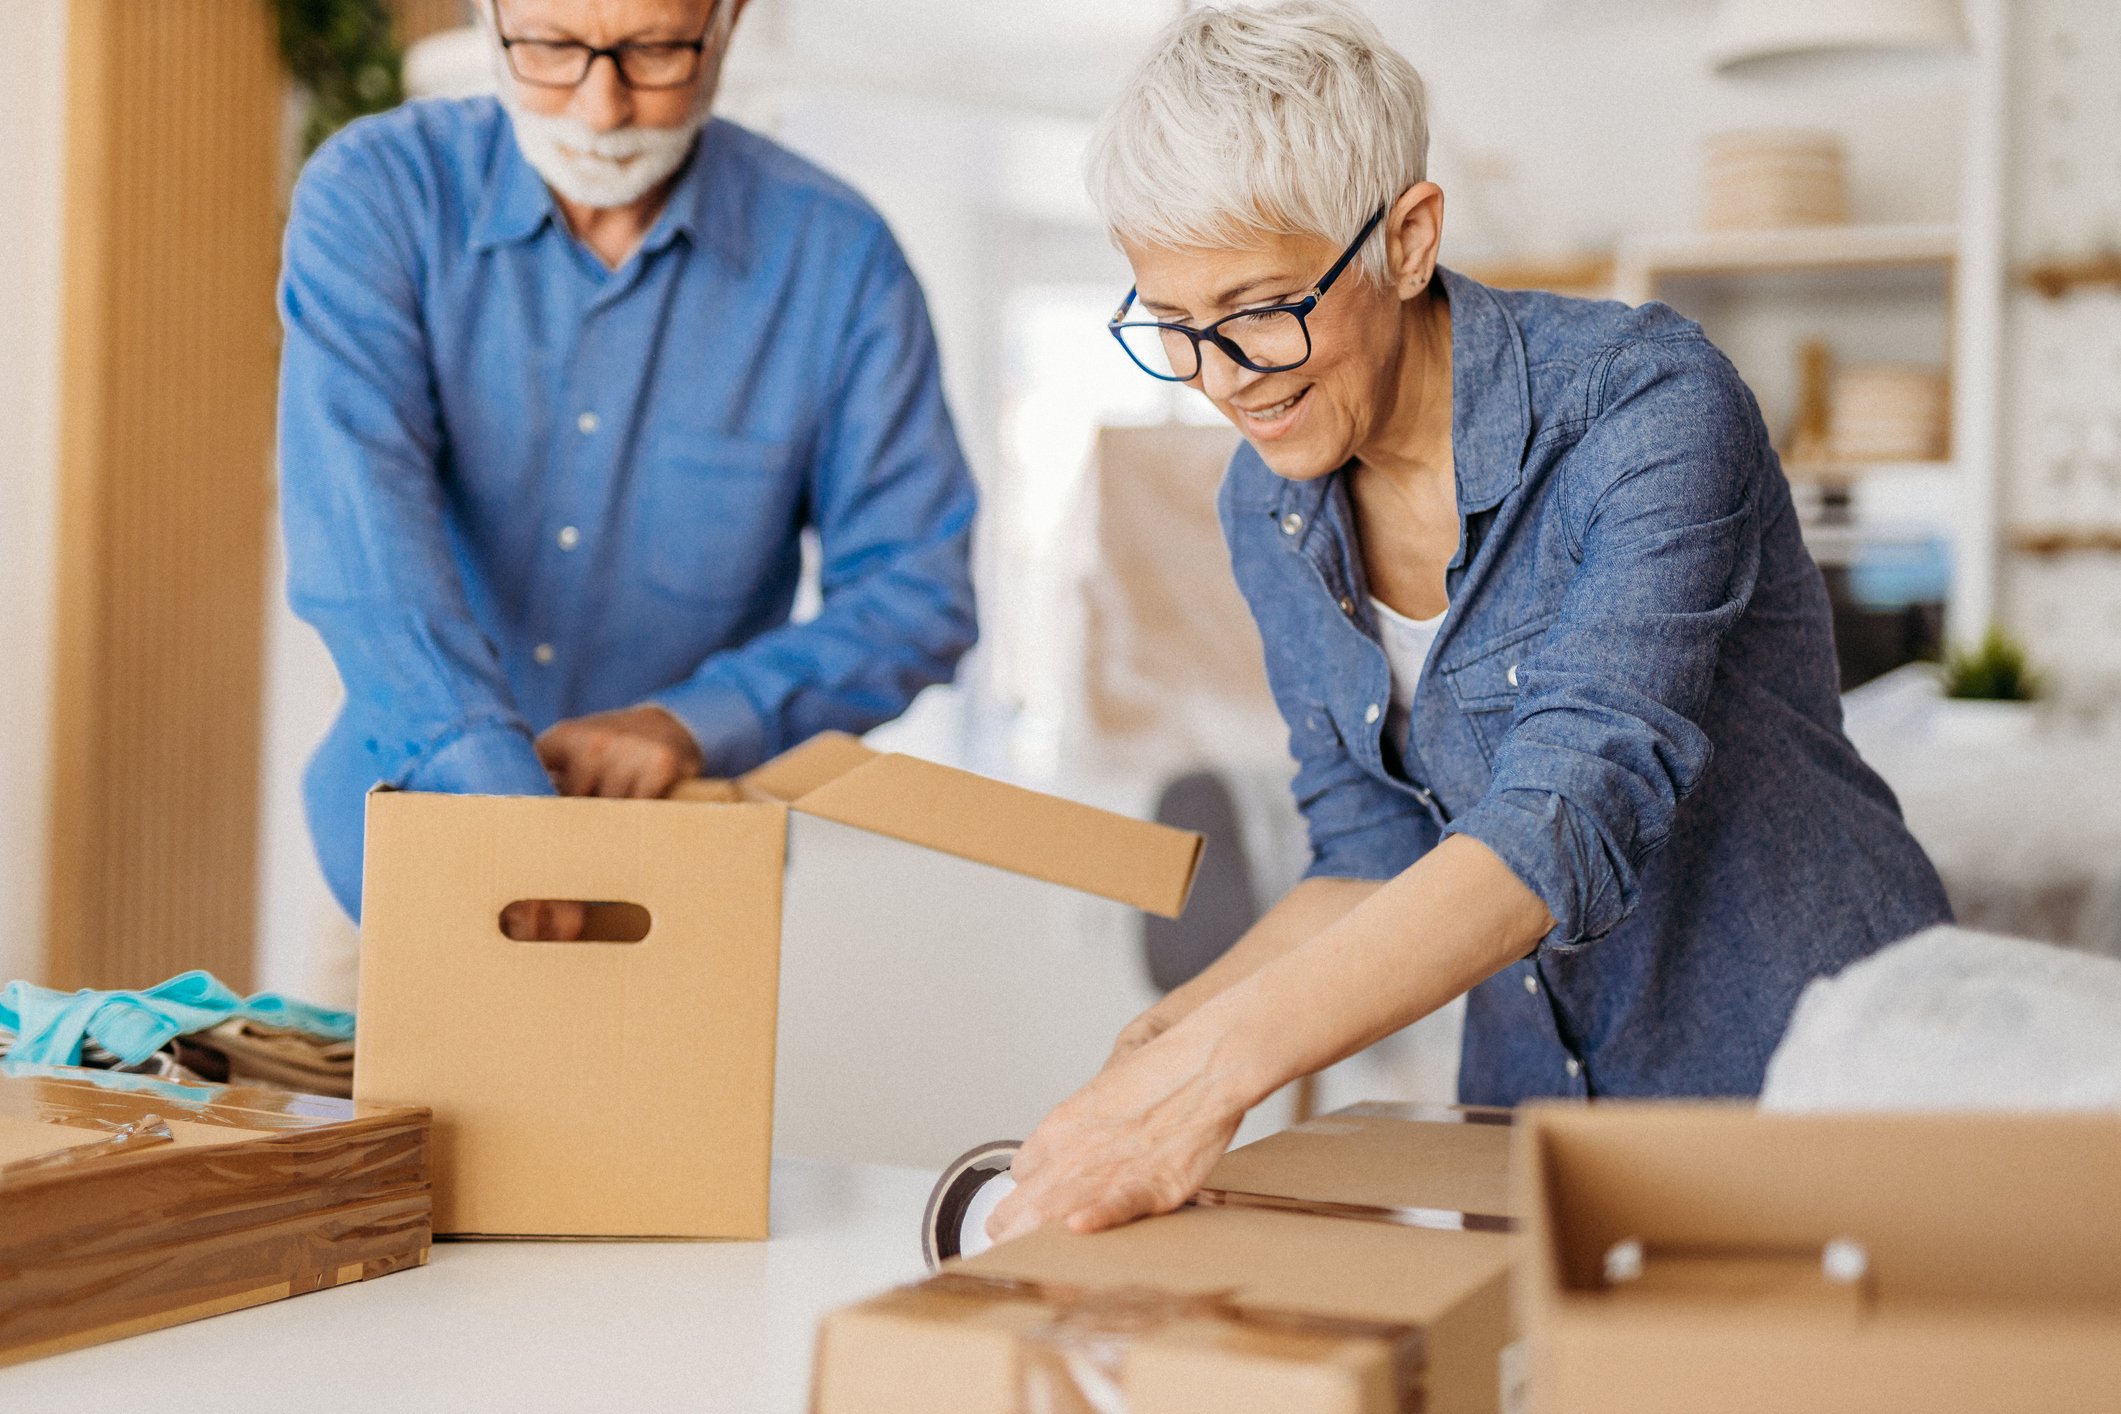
(1359, 827)
(368, 555)
(1605, 740)
(892, 501)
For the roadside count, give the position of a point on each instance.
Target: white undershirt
(1406, 643)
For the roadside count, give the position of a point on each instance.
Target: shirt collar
(516, 204)
(1491, 398)
(1491, 405)
(707, 205)
(711, 203)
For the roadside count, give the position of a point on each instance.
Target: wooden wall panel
(416, 19)
(174, 118)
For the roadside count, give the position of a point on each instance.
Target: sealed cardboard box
(1422, 1165)
(1690, 1257)
(622, 1086)
(1377, 1298)
(128, 1203)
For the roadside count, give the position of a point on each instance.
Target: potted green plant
(1989, 691)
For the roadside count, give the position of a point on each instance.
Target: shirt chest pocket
(716, 516)
(1486, 678)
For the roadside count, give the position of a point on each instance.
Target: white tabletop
(530, 1326)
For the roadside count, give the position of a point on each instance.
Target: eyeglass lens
(1270, 339)
(561, 64)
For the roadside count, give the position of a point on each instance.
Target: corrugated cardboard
(1993, 1245)
(625, 1089)
(1430, 1162)
(1218, 1309)
(108, 1229)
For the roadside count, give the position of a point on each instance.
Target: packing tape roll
(955, 1224)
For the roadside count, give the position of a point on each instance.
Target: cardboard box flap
(1063, 842)
(793, 774)
(1286, 1262)
(1437, 1158)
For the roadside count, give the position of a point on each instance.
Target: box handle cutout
(544, 920)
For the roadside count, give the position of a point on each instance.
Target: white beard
(597, 169)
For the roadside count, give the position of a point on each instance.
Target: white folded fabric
(1954, 1019)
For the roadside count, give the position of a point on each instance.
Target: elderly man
(566, 377)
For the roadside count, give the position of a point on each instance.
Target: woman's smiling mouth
(1274, 421)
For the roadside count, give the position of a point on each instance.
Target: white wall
(305, 943)
(1564, 126)
(32, 113)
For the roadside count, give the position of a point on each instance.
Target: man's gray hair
(1293, 118)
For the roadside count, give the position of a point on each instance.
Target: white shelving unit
(1844, 279)
(1644, 263)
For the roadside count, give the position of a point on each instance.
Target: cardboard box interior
(1990, 1247)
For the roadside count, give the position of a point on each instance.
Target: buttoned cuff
(484, 760)
(1542, 841)
(729, 730)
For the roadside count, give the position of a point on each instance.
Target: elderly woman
(1558, 673)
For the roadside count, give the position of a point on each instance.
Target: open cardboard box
(1320, 1276)
(623, 1087)
(1986, 1271)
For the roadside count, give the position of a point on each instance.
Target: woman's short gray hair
(1294, 118)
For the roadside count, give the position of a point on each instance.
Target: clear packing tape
(193, 1200)
(122, 1138)
(1074, 1342)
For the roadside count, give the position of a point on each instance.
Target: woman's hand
(1142, 1137)
(1138, 1140)
(1136, 1034)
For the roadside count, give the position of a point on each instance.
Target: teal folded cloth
(51, 1026)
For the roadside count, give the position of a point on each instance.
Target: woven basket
(1757, 179)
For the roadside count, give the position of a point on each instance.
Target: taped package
(622, 1086)
(1358, 1264)
(1690, 1257)
(129, 1203)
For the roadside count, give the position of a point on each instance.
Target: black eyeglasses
(564, 63)
(1273, 339)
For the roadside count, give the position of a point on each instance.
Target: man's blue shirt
(1632, 702)
(520, 487)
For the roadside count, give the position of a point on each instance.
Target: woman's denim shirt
(1632, 701)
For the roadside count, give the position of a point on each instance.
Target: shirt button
(1291, 523)
(569, 537)
(1512, 675)
(587, 423)
(1575, 1067)
(544, 655)
(1370, 713)
(1347, 606)
(1531, 984)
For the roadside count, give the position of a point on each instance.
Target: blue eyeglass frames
(1272, 339)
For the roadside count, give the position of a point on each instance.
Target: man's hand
(636, 753)
(544, 920)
